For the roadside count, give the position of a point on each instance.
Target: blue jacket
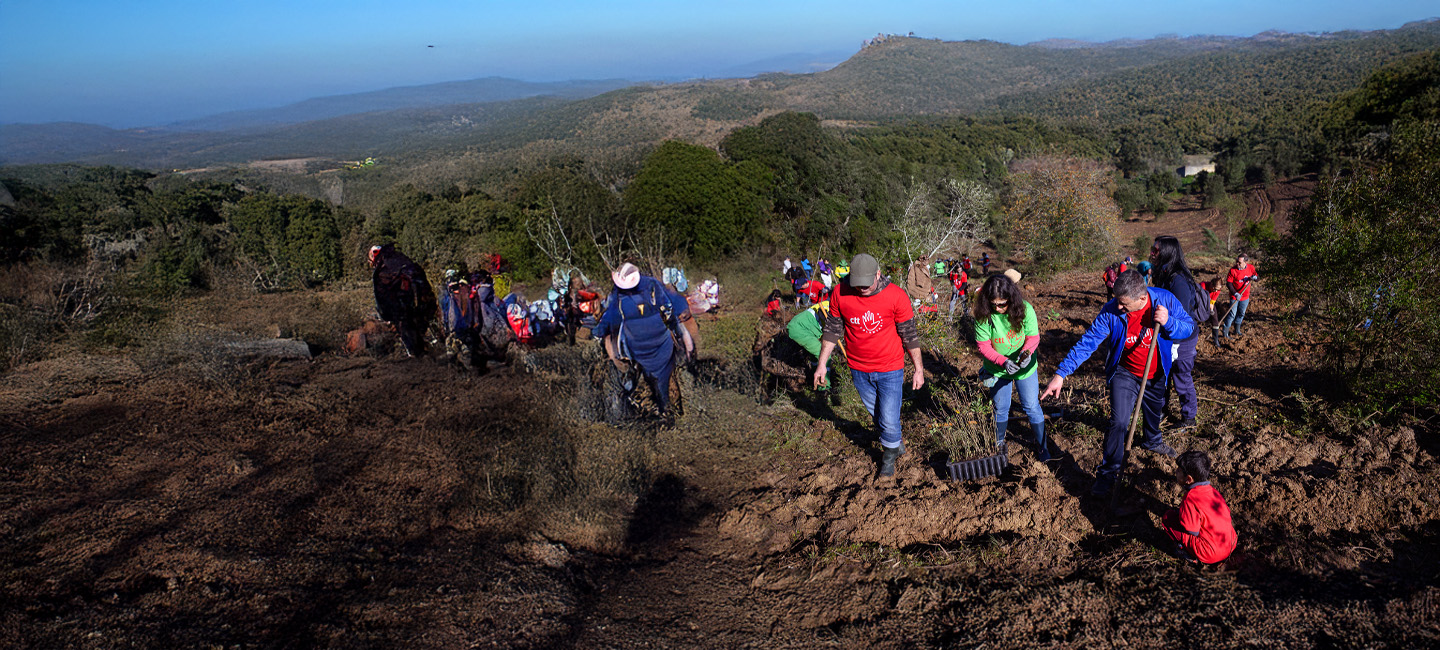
(1110, 326)
(638, 316)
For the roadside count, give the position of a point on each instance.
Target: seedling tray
(966, 470)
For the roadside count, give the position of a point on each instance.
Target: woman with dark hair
(1008, 334)
(1173, 274)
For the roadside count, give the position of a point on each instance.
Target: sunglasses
(1000, 303)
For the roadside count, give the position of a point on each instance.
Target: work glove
(1012, 368)
(1024, 359)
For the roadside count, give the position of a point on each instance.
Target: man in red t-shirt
(1239, 279)
(877, 323)
(1201, 527)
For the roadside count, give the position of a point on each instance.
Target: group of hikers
(1150, 331)
(646, 323)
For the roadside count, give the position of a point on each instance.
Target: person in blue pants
(1135, 322)
(1008, 334)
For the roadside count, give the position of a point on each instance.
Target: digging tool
(1137, 414)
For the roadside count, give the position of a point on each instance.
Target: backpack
(1201, 312)
(1112, 273)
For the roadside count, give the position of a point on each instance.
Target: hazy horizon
(126, 67)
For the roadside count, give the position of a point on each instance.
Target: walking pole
(1138, 414)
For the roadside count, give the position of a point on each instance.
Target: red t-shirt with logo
(872, 343)
(958, 280)
(1235, 277)
(1137, 351)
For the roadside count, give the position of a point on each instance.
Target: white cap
(626, 277)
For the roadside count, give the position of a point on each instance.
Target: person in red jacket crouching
(1201, 526)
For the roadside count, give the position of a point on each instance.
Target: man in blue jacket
(1131, 322)
(640, 316)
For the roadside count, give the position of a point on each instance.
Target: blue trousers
(1236, 315)
(881, 392)
(1000, 390)
(1182, 371)
(1124, 389)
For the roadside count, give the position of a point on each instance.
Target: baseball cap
(862, 271)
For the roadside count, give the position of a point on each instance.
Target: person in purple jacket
(1133, 322)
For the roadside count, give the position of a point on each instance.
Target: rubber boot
(1216, 332)
(887, 459)
(1044, 454)
(1237, 330)
(1000, 434)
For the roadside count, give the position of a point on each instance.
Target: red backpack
(1112, 273)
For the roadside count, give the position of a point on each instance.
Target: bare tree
(548, 234)
(958, 222)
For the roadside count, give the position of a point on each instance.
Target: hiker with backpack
(462, 319)
(1137, 322)
(1008, 334)
(637, 323)
(402, 296)
(985, 263)
(877, 323)
(917, 281)
(1173, 274)
(1239, 279)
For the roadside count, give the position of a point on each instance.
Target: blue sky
(127, 63)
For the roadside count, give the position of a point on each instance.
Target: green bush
(1380, 222)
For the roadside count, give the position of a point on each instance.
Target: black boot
(887, 459)
(1237, 330)
(1216, 332)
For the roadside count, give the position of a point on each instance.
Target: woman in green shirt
(1008, 335)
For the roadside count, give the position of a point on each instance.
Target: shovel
(1136, 415)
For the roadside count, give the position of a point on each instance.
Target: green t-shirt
(996, 330)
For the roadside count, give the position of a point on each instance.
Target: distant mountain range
(896, 77)
(473, 91)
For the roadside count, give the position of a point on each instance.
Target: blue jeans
(1236, 314)
(1124, 391)
(954, 298)
(1000, 391)
(881, 394)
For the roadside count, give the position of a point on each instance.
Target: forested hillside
(1159, 98)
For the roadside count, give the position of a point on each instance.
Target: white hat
(626, 277)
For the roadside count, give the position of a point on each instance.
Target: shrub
(1059, 212)
(1381, 224)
